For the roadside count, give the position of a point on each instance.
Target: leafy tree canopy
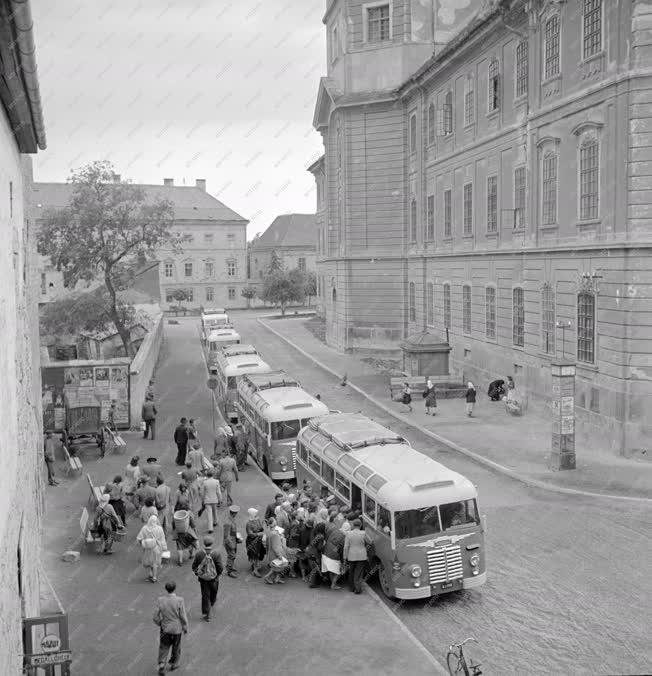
(282, 288)
(275, 263)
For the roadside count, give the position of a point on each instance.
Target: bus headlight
(416, 571)
(475, 559)
(282, 461)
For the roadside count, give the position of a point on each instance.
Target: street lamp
(563, 326)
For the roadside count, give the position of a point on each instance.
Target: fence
(142, 368)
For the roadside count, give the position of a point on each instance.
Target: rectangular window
(466, 309)
(592, 25)
(314, 462)
(447, 306)
(190, 295)
(518, 317)
(369, 507)
(169, 296)
(208, 238)
(586, 328)
(169, 270)
(430, 304)
(551, 50)
(490, 312)
(448, 114)
(448, 213)
(522, 68)
(413, 133)
(519, 197)
(301, 264)
(469, 101)
(210, 293)
(430, 217)
(328, 474)
(378, 24)
(209, 268)
(43, 284)
(492, 203)
(412, 302)
(231, 293)
(413, 220)
(494, 86)
(589, 179)
(187, 269)
(230, 240)
(548, 319)
(549, 192)
(342, 486)
(230, 268)
(468, 208)
(431, 123)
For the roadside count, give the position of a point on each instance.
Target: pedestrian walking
(198, 461)
(230, 541)
(254, 542)
(170, 616)
(406, 396)
(240, 442)
(314, 554)
(333, 554)
(106, 523)
(132, 474)
(151, 538)
(430, 396)
(152, 470)
(278, 561)
(191, 479)
(115, 490)
(143, 492)
(185, 539)
(227, 471)
(220, 444)
(355, 555)
(270, 510)
(148, 414)
(211, 497)
(470, 398)
(163, 498)
(207, 566)
(48, 454)
(181, 440)
(149, 392)
(148, 509)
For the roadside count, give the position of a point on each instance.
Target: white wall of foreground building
(21, 454)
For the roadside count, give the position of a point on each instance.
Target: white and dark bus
(274, 408)
(423, 517)
(228, 369)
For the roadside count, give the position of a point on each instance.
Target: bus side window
(384, 519)
(370, 508)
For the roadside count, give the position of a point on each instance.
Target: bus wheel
(265, 466)
(384, 582)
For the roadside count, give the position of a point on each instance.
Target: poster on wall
(90, 386)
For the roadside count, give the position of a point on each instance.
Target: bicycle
(457, 663)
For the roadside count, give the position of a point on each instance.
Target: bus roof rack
(236, 350)
(268, 381)
(351, 431)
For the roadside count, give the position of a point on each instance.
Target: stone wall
(142, 368)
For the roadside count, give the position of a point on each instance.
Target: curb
(534, 483)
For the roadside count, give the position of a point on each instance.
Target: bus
(227, 371)
(219, 338)
(211, 322)
(423, 519)
(274, 408)
(229, 351)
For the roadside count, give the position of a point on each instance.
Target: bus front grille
(445, 564)
(294, 460)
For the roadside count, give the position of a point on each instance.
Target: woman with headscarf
(278, 561)
(470, 398)
(254, 541)
(430, 396)
(406, 396)
(132, 474)
(106, 522)
(152, 540)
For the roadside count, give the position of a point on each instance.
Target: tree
(249, 292)
(275, 263)
(310, 285)
(105, 233)
(282, 288)
(181, 295)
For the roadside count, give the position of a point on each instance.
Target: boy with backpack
(207, 566)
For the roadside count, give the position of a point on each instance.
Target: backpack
(206, 570)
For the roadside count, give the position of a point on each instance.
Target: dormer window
(377, 22)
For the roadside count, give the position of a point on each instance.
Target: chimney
(168, 181)
(116, 178)
(201, 183)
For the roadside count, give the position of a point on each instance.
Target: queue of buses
(423, 517)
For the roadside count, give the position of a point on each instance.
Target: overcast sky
(216, 89)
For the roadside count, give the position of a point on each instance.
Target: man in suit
(148, 414)
(355, 554)
(181, 440)
(170, 616)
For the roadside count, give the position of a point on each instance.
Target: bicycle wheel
(456, 664)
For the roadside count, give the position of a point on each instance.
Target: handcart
(84, 428)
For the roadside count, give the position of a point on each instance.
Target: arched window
(413, 220)
(586, 327)
(522, 73)
(493, 86)
(518, 317)
(589, 178)
(430, 304)
(551, 48)
(431, 123)
(412, 302)
(490, 312)
(549, 189)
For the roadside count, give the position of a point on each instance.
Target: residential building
(486, 176)
(210, 267)
(21, 484)
(293, 237)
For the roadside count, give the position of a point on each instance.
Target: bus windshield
(286, 429)
(230, 382)
(459, 513)
(414, 523)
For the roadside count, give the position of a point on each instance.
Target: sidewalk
(515, 446)
(256, 628)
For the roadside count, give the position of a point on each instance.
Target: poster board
(84, 384)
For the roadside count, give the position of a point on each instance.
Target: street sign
(211, 383)
(52, 658)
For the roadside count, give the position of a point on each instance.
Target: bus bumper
(279, 476)
(475, 581)
(413, 592)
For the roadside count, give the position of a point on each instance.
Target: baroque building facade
(487, 176)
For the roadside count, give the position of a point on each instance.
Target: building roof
(190, 202)
(289, 230)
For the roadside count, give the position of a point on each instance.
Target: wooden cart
(84, 427)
